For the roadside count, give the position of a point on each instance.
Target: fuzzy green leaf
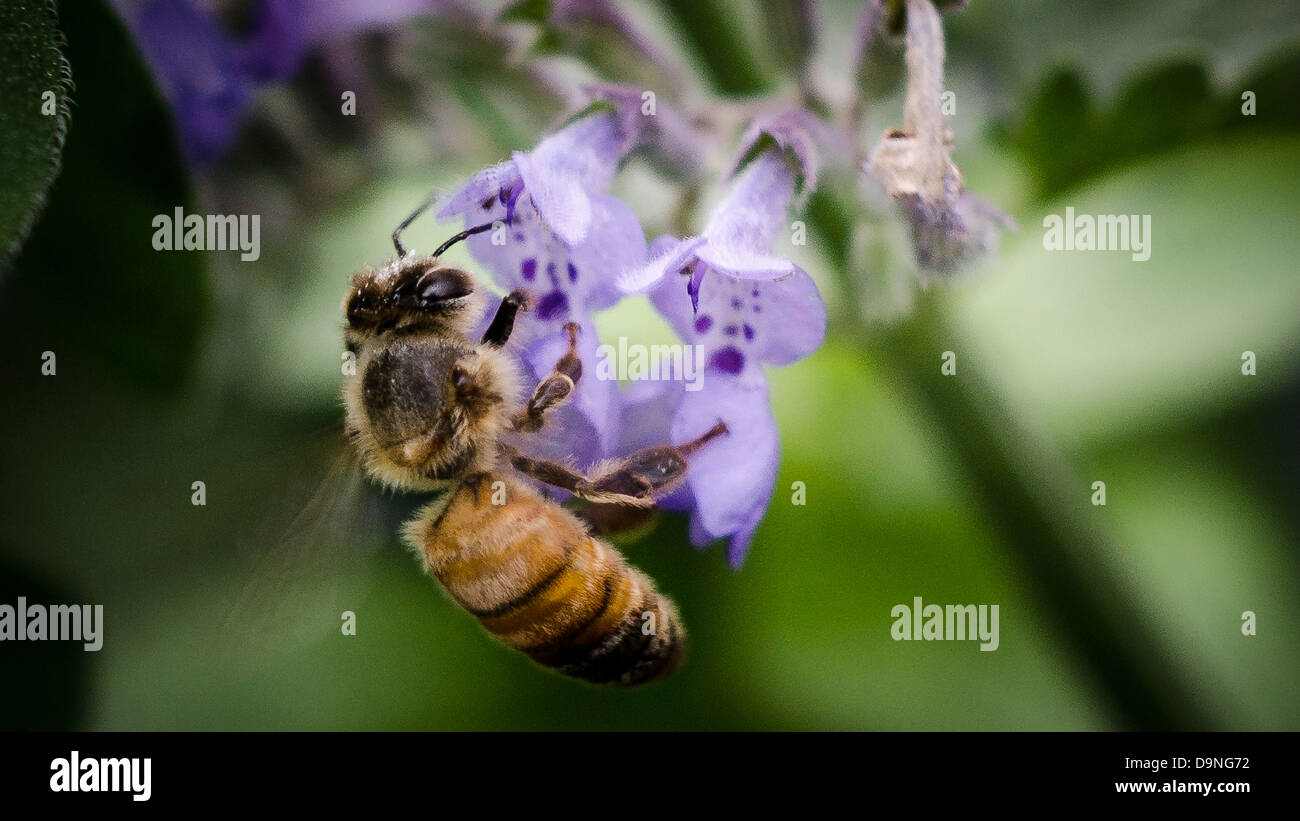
(34, 87)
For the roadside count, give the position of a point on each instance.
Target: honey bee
(428, 410)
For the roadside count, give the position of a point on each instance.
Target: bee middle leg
(634, 480)
(555, 389)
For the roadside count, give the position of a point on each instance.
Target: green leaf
(526, 11)
(34, 85)
(1094, 344)
(1066, 137)
(1020, 43)
(89, 281)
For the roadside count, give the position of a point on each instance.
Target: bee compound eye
(442, 284)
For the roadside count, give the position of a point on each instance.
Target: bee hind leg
(635, 480)
(652, 471)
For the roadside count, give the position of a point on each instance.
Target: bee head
(410, 295)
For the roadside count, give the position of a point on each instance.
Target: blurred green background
(181, 367)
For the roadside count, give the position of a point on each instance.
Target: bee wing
(302, 575)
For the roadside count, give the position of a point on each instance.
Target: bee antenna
(468, 232)
(424, 206)
(397, 232)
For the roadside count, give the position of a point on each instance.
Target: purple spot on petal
(519, 237)
(754, 293)
(749, 333)
(758, 309)
(528, 269)
(573, 273)
(702, 323)
(736, 303)
(731, 330)
(552, 305)
(727, 360)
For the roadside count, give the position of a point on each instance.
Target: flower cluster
(579, 250)
(209, 76)
(730, 294)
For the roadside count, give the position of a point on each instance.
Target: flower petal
(743, 323)
(795, 130)
(752, 216)
(738, 262)
(564, 281)
(483, 188)
(646, 277)
(615, 244)
(731, 477)
(198, 68)
(559, 198)
(673, 302)
(797, 324)
(738, 544)
(579, 159)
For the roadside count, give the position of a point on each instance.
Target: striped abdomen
(540, 582)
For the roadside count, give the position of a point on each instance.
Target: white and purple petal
(667, 255)
(795, 323)
(479, 199)
(568, 166)
(738, 261)
(616, 244)
(748, 221)
(732, 477)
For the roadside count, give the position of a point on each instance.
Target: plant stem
(1045, 521)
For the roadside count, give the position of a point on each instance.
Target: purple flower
(726, 292)
(739, 235)
(741, 325)
(562, 240)
(209, 77)
(745, 323)
(201, 70)
(778, 157)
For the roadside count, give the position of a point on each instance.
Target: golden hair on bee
(428, 409)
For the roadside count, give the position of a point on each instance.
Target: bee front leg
(555, 389)
(503, 321)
